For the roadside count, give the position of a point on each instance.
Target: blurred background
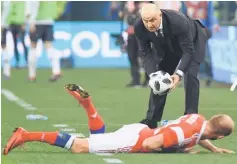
(99, 35)
(99, 51)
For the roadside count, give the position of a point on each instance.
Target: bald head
(222, 124)
(151, 16)
(148, 9)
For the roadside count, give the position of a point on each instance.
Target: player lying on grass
(183, 133)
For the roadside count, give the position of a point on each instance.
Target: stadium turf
(118, 105)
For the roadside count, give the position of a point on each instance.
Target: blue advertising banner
(223, 47)
(89, 44)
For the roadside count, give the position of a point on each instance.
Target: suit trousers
(157, 103)
(207, 60)
(132, 49)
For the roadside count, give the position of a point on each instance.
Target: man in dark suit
(180, 45)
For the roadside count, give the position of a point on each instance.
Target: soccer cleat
(54, 78)
(74, 88)
(145, 83)
(151, 124)
(133, 85)
(32, 79)
(6, 77)
(14, 141)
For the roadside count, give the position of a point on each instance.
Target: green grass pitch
(118, 105)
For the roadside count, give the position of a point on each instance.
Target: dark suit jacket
(183, 37)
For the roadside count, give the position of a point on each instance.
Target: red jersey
(185, 132)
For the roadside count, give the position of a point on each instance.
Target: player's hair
(220, 124)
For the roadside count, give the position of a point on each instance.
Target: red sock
(60, 139)
(88, 106)
(95, 122)
(48, 137)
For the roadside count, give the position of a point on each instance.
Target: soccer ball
(160, 82)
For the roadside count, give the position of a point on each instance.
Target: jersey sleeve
(202, 117)
(32, 9)
(5, 11)
(173, 136)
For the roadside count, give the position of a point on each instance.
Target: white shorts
(121, 140)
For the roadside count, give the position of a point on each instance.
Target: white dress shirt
(160, 27)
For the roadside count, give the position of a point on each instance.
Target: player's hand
(221, 150)
(32, 28)
(176, 79)
(190, 151)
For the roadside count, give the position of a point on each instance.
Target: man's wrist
(180, 74)
(214, 149)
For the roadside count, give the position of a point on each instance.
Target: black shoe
(5, 77)
(151, 124)
(208, 83)
(145, 83)
(32, 80)
(133, 85)
(74, 87)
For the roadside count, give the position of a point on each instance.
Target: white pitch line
(72, 130)
(68, 129)
(233, 86)
(78, 135)
(60, 125)
(104, 154)
(112, 160)
(12, 97)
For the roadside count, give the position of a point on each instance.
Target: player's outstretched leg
(95, 122)
(59, 139)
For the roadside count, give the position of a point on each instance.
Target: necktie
(159, 33)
